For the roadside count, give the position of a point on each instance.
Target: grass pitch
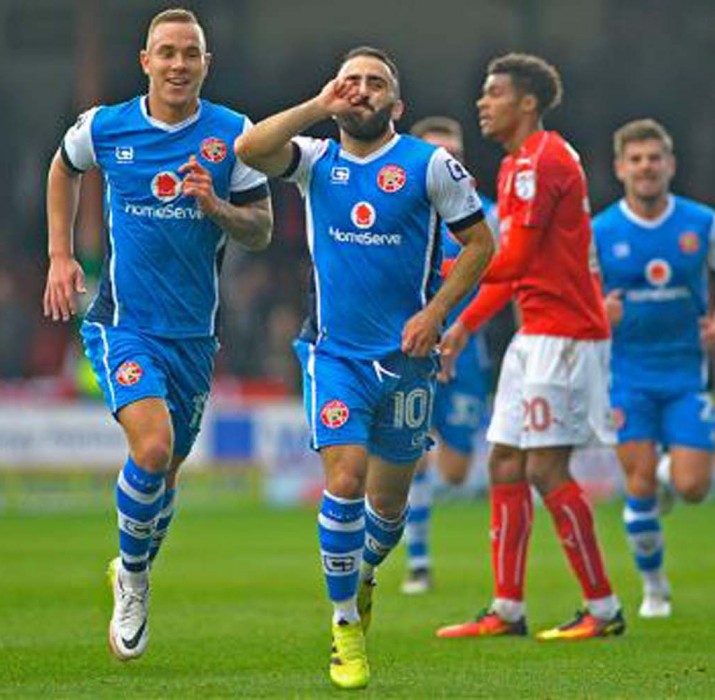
(238, 609)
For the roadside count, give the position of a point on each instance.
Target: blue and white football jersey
(373, 228)
(662, 267)
(163, 254)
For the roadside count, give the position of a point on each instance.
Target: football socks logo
(658, 272)
(391, 178)
(334, 414)
(363, 215)
(129, 373)
(213, 149)
(166, 186)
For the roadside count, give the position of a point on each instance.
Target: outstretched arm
(267, 145)
(65, 278)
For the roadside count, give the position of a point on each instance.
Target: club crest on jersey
(658, 272)
(334, 414)
(129, 373)
(213, 149)
(166, 186)
(363, 215)
(689, 242)
(525, 185)
(391, 178)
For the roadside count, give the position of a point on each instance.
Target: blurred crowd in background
(619, 60)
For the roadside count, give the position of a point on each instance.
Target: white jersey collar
(647, 223)
(371, 156)
(163, 125)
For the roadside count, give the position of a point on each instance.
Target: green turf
(238, 610)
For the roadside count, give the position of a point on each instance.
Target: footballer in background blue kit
(657, 253)
(461, 406)
(661, 267)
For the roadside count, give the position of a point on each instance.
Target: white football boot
(656, 601)
(129, 626)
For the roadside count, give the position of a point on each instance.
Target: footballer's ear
(207, 61)
(673, 164)
(618, 169)
(144, 61)
(398, 109)
(529, 103)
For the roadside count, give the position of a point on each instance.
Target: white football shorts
(553, 391)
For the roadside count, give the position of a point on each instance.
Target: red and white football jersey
(543, 186)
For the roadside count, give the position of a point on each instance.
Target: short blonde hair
(640, 130)
(175, 14)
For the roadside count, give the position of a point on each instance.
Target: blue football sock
(341, 533)
(381, 537)
(166, 515)
(640, 516)
(140, 495)
(418, 522)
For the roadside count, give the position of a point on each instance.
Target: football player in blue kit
(656, 251)
(461, 405)
(174, 192)
(373, 202)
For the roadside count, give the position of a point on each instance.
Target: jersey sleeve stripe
(67, 161)
(462, 224)
(294, 161)
(252, 195)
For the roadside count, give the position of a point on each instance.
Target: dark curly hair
(531, 75)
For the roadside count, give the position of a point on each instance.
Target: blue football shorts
(383, 405)
(131, 366)
(672, 419)
(461, 406)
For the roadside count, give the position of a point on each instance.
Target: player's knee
(454, 478)
(693, 491)
(505, 466)
(387, 506)
(154, 454)
(346, 485)
(642, 484)
(544, 478)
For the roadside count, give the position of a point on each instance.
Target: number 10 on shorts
(411, 410)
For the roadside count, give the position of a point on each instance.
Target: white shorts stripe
(105, 362)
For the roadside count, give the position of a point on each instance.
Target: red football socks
(512, 515)
(574, 523)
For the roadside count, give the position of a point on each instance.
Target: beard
(366, 129)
